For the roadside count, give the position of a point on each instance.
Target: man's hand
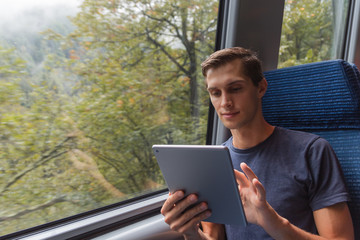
(252, 194)
(182, 217)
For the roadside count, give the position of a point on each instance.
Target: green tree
(140, 81)
(77, 132)
(29, 144)
(42, 178)
(307, 32)
(180, 33)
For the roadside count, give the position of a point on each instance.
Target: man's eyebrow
(210, 88)
(236, 81)
(229, 84)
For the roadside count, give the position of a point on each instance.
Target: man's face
(235, 98)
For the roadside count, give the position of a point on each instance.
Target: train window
(85, 91)
(312, 31)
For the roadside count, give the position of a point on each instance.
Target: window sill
(97, 221)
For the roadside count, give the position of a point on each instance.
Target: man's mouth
(229, 114)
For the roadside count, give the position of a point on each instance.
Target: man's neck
(251, 136)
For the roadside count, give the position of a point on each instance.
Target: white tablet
(206, 170)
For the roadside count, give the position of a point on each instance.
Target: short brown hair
(251, 63)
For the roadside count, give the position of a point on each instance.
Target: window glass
(86, 88)
(312, 31)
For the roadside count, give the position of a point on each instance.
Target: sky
(33, 15)
(10, 8)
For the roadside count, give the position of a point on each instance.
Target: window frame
(123, 214)
(116, 216)
(97, 220)
(352, 35)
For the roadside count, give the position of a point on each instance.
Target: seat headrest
(322, 95)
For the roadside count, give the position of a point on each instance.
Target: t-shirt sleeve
(327, 185)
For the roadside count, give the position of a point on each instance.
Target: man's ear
(262, 87)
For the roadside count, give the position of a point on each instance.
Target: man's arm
(214, 230)
(332, 222)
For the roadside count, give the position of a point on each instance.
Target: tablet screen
(206, 170)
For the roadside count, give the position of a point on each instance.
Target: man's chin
(230, 126)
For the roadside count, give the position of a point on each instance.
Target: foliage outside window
(83, 99)
(312, 31)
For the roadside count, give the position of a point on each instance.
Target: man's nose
(226, 100)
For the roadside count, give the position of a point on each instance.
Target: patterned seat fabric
(322, 98)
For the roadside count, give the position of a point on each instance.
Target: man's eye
(235, 89)
(215, 93)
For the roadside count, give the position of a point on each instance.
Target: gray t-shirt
(300, 173)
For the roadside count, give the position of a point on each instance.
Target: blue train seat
(322, 98)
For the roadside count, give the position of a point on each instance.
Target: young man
(305, 195)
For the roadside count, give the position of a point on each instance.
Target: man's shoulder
(295, 134)
(297, 139)
(288, 138)
(305, 139)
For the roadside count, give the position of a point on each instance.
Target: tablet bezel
(206, 170)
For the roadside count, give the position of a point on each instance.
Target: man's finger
(171, 200)
(241, 179)
(260, 190)
(194, 221)
(248, 172)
